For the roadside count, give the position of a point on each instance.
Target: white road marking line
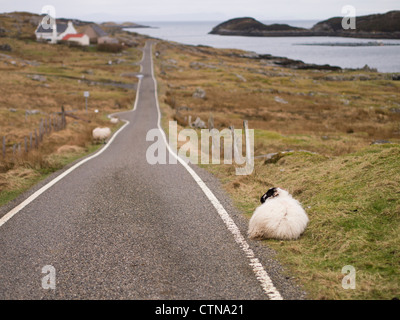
(23, 204)
(137, 93)
(36, 194)
(258, 269)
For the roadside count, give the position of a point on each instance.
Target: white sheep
(101, 133)
(114, 120)
(278, 217)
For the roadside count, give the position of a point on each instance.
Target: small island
(125, 25)
(375, 26)
(250, 27)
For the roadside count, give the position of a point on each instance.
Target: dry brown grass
(67, 72)
(349, 189)
(238, 89)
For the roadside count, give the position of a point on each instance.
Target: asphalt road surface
(117, 227)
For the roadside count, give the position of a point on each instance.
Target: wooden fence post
(237, 148)
(247, 140)
(233, 142)
(45, 127)
(36, 139)
(210, 123)
(41, 130)
(4, 147)
(63, 120)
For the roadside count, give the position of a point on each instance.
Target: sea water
(319, 50)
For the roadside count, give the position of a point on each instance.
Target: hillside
(388, 22)
(36, 79)
(22, 25)
(378, 26)
(251, 27)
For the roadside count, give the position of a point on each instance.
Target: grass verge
(36, 79)
(349, 188)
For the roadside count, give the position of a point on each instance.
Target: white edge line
(258, 269)
(27, 201)
(36, 194)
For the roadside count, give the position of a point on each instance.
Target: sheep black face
(273, 192)
(279, 216)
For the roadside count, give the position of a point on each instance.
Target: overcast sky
(153, 10)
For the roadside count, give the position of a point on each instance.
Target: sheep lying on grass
(101, 134)
(278, 217)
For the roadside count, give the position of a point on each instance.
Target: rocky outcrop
(387, 22)
(376, 26)
(199, 93)
(124, 25)
(285, 62)
(253, 28)
(5, 47)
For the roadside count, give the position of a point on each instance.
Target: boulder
(200, 65)
(199, 93)
(199, 124)
(5, 47)
(280, 100)
(240, 77)
(31, 112)
(37, 77)
(380, 142)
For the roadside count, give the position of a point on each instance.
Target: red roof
(71, 35)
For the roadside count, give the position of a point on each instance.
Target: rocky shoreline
(285, 62)
(307, 33)
(268, 59)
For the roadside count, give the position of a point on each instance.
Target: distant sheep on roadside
(278, 217)
(101, 134)
(114, 120)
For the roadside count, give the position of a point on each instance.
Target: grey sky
(148, 10)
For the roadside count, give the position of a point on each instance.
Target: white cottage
(80, 38)
(61, 31)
